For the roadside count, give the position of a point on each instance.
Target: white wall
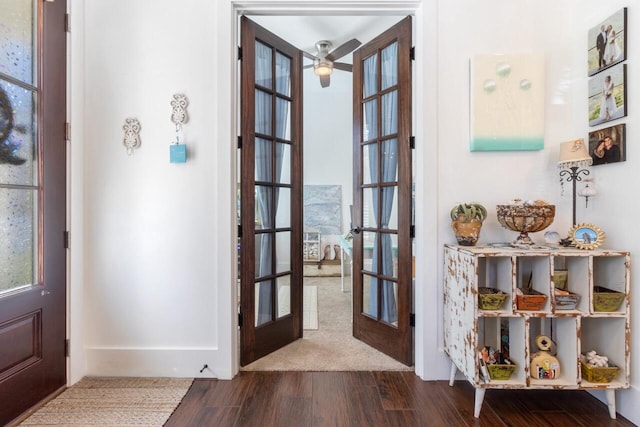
(153, 231)
(158, 238)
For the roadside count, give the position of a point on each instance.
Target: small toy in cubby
(544, 364)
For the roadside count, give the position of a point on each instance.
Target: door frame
(427, 365)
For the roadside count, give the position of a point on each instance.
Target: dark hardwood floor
(400, 399)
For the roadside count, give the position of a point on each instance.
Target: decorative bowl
(525, 219)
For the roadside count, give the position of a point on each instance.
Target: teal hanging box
(178, 153)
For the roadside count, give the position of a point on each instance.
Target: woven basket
(595, 374)
(606, 300)
(490, 298)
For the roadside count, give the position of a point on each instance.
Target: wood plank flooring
(384, 398)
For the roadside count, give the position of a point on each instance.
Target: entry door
(382, 193)
(32, 203)
(271, 193)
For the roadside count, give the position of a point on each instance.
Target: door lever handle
(43, 293)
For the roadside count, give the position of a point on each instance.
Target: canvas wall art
(608, 145)
(507, 102)
(323, 208)
(607, 95)
(607, 42)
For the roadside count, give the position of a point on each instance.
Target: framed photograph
(608, 145)
(607, 43)
(608, 95)
(586, 236)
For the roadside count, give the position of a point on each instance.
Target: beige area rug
(98, 401)
(331, 347)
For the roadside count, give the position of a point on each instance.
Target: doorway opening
(328, 193)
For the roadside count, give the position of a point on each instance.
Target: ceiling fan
(324, 61)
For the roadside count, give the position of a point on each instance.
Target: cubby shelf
(576, 331)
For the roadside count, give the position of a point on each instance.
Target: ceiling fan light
(323, 69)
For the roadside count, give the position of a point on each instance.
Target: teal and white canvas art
(507, 102)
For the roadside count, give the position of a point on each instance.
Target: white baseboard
(158, 362)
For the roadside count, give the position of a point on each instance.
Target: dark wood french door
(382, 276)
(271, 193)
(32, 203)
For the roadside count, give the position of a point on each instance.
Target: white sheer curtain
(267, 195)
(389, 164)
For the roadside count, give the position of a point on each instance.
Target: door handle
(356, 230)
(43, 293)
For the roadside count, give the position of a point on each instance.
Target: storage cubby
(534, 273)
(563, 331)
(467, 328)
(607, 336)
(495, 273)
(506, 334)
(577, 268)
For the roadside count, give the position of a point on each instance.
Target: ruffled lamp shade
(574, 153)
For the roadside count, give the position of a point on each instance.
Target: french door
(382, 275)
(32, 203)
(271, 193)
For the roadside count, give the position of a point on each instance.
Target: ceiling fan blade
(342, 66)
(325, 80)
(308, 55)
(308, 66)
(343, 49)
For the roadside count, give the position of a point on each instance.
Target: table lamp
(573, 156)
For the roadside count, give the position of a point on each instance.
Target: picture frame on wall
(607, 42)
(608, 145)
(608, 95)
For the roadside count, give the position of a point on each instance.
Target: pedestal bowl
(525, 219)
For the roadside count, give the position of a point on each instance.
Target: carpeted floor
(97, 401)
(331, 347)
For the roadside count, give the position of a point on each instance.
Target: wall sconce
(573, 156)
(587, 191)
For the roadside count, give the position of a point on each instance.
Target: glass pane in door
(263, 113)
(18, 231)
(369, 290)
(264, 309)
(264, 254)
(370, 81)
(263, 163)
(283, 285)
(390, 160)
(283, 74)
(17, 41)
(390, 66)
(283, 251)
(263, 65)
(17, 135)
(390, 113)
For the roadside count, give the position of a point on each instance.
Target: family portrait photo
(607, 42)
(608, 145)
(607, 95)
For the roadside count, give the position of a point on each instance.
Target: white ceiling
(304, 31)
